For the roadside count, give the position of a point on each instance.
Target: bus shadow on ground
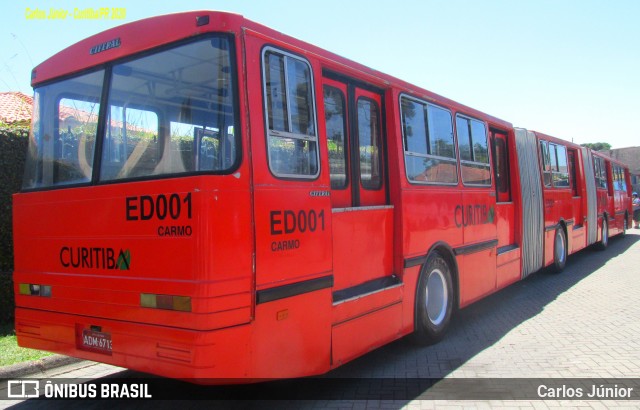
(482, 324)
(485, 322)
(398, 372)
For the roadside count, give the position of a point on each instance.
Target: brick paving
(582, 323)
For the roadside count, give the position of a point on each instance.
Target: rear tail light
(35, 290)
(169, 302)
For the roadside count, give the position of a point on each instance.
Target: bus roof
(142, 35)
(129, 39)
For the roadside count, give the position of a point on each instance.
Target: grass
(11, 353)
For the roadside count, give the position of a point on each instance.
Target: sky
(568, 68)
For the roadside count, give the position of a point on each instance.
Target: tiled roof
(15, 107)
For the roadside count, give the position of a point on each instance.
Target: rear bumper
(165, 351)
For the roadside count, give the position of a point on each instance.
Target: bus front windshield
(168, 113)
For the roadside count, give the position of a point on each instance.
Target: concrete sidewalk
(52, 367)
(36, 368)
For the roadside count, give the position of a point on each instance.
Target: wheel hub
(436, 297)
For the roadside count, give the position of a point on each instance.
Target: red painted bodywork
(562, 209)
(235, 253)
(615, 205)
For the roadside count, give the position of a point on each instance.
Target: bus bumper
(211, 357)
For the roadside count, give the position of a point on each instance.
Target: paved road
(583, 323)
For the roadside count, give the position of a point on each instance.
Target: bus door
(508, 251)
(477, 257)
(602, 194)
(610, 207)
(362, 220)
(577, 231)
(504, 204)
(619, 195)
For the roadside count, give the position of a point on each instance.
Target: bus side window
(572, 168)
(601, 172)
(608, 174)
(429, 151)
(292, 141)
(502, 170)
(560, 171)
(620, 183)
(335, 117)
(474, 152)
(369, 143)
(546, 163)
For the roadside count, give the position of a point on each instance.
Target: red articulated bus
(205, 197)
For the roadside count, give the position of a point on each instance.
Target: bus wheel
(434, 301)
(625, 225)
(559, 250)
(604, 242)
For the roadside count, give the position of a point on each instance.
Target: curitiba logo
(124, 260)
(95, 258)
(478, 214)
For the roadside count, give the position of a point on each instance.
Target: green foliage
(13, 148)
(6, 298)
(11, 353)
(597, 146)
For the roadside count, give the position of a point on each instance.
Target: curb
(36, 366)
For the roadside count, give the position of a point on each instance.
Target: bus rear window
(172, 112)
(63, 135)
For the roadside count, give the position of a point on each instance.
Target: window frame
(572, 154)
(369, 186)
(345, 145)
(162, 116)
(547, 168)
(39, 127)
(620, 183)
(269, 133)
(555, 165)
(501, 162)
(59, 133)
(454, 159)
(463, 162)
(108, 68)
(600, 171)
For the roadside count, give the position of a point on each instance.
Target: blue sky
(567, 68)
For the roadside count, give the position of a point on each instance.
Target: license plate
(96, 341)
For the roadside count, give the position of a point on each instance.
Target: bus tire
(559, 250)
(604, 237)
(625, 225)
(434, 301)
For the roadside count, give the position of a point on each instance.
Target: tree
(597, 146)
